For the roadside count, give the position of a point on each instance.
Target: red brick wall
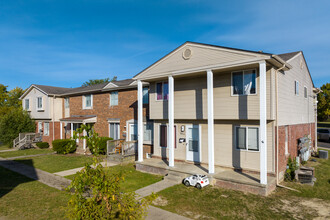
(294, 133)
(125, 110)
(49, 138)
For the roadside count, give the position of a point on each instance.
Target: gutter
(280, 60)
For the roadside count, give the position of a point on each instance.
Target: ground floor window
(46, 128)
(39, 127)
(147, 132)
(114, 131)
(163, 130)
(247, 138)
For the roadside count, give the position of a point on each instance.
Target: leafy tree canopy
(98, 81)
(10, 98)
(323, 105)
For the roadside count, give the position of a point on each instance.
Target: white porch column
(61, 130)
(210, 120)
(171, 121)
(71, 125)
(84, 134)
(263, 123)
(140, 121)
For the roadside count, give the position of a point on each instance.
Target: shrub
(64, 146)
(102, 145)
(290, 169)
(14, 122)
(42, 145)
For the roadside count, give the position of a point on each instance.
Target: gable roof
(47, 90)
(288, 56)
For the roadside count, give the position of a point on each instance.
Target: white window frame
(232, 86)
(111, 94)
(296, 87)
(26, 100)
(246, 138)
(152, 132)
(40, 127)
(46, 129)
(305, 92)
(37, 104)
(118, 124)
(161, 100)
(84, 102)
(66, 103)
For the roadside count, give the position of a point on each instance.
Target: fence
(125, 148)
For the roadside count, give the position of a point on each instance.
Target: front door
(193, 142)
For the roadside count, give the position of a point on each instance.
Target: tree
(14, 122)
(98, 81)
(96, 192)
(9, 99)
(323, 105)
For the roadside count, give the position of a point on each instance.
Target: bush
(42, 145)
(290, 169)
(14, 122)
(102, 145)
(64, 146)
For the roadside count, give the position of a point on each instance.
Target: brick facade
(49, 138)
(125, 110)
(294, 133)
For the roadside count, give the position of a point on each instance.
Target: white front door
(193, 143)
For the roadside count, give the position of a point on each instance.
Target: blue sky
(64, 43)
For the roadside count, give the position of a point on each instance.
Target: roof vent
(187, 53)
(260, 51)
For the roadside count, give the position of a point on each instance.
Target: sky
(65, 43)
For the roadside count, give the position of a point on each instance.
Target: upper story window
(162, 91)
(27, 104)
(244, 82)
(66, 103)
(296, 87)
(145, 95)
(87, 101)
(247, 138)
(39, 103)
(305, 92)
(113, 98)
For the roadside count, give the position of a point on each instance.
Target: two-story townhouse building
(44, 105)
(227, 107)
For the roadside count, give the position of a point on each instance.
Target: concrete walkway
(74, 171)
(156, 187)
(26, 156)
(8, 150)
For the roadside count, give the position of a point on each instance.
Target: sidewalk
(74, 171)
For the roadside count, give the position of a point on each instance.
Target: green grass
(56, 162)
(26, 152)
(4, 147)
(23, 198)
(214, 202)
(133, 179)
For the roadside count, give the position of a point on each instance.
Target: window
(40, 127)
(87, 101)
(163, 135)
(46, 129)
(113, 98)
(114, 131)
(145, 95)
(162, 91)
(244, 82)
(247, 138)
(27, 104)
(147, 132)
(66, 103)
(296, 87)
(133, 132)
(305, 92)
(39, 103)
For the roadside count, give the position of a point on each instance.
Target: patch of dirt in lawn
(160, 201)
(299, 208)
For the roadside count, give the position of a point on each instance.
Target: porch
(223, 177)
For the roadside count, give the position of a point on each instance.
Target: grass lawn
(23, 198)
(133, 179)
(4, 147)
(56, 162)
(214, 202)
(25, 152)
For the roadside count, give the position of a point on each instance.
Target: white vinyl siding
(87, 101)
(247, 138)
(46, 128)
(113, 98)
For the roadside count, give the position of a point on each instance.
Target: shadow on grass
(13, 174)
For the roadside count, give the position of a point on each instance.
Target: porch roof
(80, 119)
